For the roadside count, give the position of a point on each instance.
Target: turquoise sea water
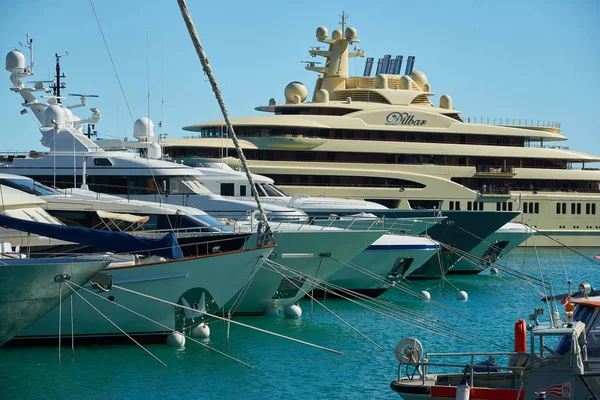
(286, 370)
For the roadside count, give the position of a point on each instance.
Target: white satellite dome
(15, 61)
(143, 129)
(56, 113)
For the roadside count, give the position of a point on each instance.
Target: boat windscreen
(270, 190)
(215, 225)
(280, 190)
(29, 186)
(187, 185)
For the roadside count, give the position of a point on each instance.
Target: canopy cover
(120, 242)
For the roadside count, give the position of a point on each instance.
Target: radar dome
(446, 101)
(420, 78)
(56, 113)
(295, 89)
(322, 96)
(143, 128)
(336, 35)
(68, 117)
(15, 60)
(154, 151)
(322, 32)
(350, 33)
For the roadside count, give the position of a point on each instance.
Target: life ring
(409, 350)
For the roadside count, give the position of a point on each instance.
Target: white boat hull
(218, 276)
(28, 289)
(379, 260)
(300, 250)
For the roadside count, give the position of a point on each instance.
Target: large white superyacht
(381, 138)
(75, 160)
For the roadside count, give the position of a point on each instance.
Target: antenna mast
(29, 45)
(57, 85)
(343, 16)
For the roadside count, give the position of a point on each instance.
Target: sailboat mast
(185, 12)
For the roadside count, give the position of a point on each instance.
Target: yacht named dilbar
(381, 138)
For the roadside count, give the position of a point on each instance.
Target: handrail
(517, 371)
(512, 122)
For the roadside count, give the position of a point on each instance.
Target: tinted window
(227, 189)
(102, 162)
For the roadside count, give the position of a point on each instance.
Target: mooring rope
(115, 325)
(165, 326)
(377, 305)
(225, 319)
(328, 309)
(320, 284)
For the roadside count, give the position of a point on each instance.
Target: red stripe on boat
(477, 393)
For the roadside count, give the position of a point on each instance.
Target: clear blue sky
(534, 59)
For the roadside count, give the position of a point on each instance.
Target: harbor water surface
(286, 370)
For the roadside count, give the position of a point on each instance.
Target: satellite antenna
(90, 131)
(58, 85)
(311, 63)
(83, 98)
(29, 45)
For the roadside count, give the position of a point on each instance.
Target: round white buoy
(426, 295)
(176, 339)
(462, 296)
(494, 271)
(292, 311)
(201, 331)
(271, 311)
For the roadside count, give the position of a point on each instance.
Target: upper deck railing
(512, 122)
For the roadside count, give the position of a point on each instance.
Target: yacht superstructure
(381, 138)
(74, 160)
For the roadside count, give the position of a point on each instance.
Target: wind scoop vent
(421, 99)
(359, 95)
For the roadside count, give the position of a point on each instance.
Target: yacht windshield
(280, 190)
(29, 186)
(260, 190)
(186, 185)
(215, 225)
(270, 190)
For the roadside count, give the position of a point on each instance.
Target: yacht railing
(494, 169)
(512, 122)
(469, 368)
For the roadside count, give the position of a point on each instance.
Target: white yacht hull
(28, 289)
(494, 247)
(218, 276)
(311, 251)
(379, 260)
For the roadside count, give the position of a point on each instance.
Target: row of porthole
(577, 227)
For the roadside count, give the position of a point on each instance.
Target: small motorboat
(569, 369)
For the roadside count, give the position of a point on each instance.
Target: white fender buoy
(462, 295)
(176, 339)
(271, 311)
(494, 271)
(463, 391)
(426, 295)
(292, 311)
(201, 331)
